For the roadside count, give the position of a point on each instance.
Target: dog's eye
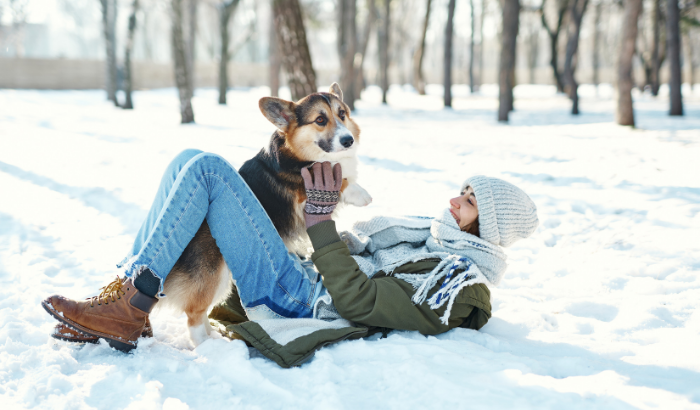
(342, 114)
(320, 120)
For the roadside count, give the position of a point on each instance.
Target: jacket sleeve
(381, 302)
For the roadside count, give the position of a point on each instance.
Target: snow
(597, 310)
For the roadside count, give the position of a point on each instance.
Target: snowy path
(599, 309)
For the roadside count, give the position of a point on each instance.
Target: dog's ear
(335, 89)
(278, 111)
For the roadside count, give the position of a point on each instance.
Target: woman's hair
(474, 228)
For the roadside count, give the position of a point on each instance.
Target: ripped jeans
(271, 282)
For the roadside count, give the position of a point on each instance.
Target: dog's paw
(354, 194)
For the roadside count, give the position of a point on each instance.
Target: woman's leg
(166, 183)
(207, 186)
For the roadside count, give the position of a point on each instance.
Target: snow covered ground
(597, 310)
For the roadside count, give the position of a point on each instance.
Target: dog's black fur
(272, 178)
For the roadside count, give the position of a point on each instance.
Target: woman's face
(464, 210)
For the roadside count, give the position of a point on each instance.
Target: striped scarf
(386, 243)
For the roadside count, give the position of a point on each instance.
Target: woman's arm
(382, 302)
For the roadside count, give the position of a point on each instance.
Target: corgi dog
(314, 129)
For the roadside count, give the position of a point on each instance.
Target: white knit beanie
(506, 213)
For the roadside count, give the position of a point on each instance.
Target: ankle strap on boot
(143, 302)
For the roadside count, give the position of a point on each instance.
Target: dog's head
(317, 127)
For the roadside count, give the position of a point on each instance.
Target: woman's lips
(454, 215)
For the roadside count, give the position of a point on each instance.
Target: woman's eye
(320, 120)
(470, 201)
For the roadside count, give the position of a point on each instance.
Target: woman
(407, 273)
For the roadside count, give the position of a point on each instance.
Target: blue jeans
(196, 185)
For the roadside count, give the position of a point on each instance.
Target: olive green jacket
(379, 304)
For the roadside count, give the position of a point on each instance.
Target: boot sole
(119, 345)
(72, 340)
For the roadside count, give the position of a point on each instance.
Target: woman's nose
(454, 202)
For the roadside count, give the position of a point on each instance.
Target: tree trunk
(673, 37)
(447, 79)
(296, 59)
(418, 77)
(480, 78)
(360, 56)
(128, 104)
(655, 62)
(554, 40)
(274, 60)
(471, 47)
(509, 35)
(533, 44)
(190, 50)
(347, 47)
(182, 75)
(226, 10)
(578, 8)
(690, 61)
(383, 40)
(513, 83)
(625, 113)
(109, 18)
(596, 44)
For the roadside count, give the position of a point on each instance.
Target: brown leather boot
(118, 314)
(63, 332)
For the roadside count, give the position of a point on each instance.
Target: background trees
(448, 53)
(673, 35)
(576, 10)
(183, 55)
(225, 9)
(304, 44)
(625, 113)
(294, 49)
(109, 18)
(506, 67)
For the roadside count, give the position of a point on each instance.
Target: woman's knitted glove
(322, 191)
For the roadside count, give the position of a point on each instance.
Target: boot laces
(109, 292)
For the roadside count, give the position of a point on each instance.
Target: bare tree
(673, 37)
(291, 37)
(596, 42)
(19, 10)
(690, 59)
(225, 9)
(577, 9)
(625, 112)
(347, 47)
(480, 53)
(447, 66)
(472, 17)
(655, 58)
(562, 7)
(182, 66)
(128, 104)
(274, 60)
(506, 66)
(418, 76)
(362, 53)
(191, 24)
(532, 41)
(109, 19)
(383, 48)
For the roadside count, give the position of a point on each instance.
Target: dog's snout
(346, 141)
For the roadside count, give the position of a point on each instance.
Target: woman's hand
(322, 191)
